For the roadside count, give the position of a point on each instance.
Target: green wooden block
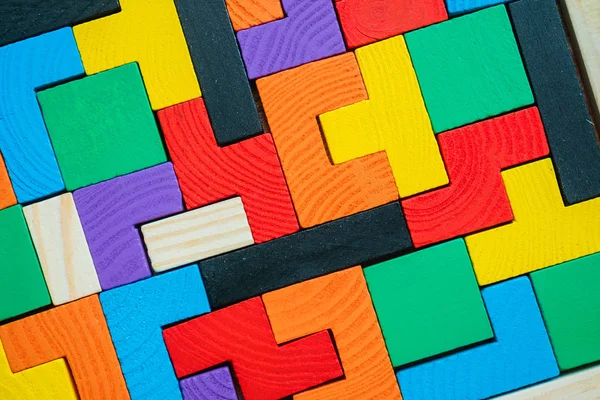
(102, 126)
(22, 285)
(469, 68)
(428, 302)
(569, 297)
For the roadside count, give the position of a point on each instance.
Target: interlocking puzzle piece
(428, 302)
(544, 232)
(469, 68)
(570, 302)
(22, 19)
(368, 21)
(135, 314)
(521, 354)
(340, 302)
(309, 32)
(61, 248)
(555, 82)
(24, 141)
(7, 195)
(51, 381)
(147, 32)
(22, 285)
(463, 6)
(305, 255)
(76, 331)
(321, 191)
(101, 127)
(209, 385)
(196, 235)
(476, 198)
(248, 13)
(393, 119)
(208, 173)
(242, 335)
(110, 212)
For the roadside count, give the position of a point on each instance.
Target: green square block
(569, 297)
(469, 68)
(22, 284)
(102, 126)
(428, 302)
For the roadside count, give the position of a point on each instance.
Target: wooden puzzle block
(110, 212)
(209, 385)
(367, 21)
(248, 13)
(463, 6)
(393, 119)
(24, 142)
(101, 126)
(428, 302)
(476, 198)
(308, 254)
(76, 331)
(208, 173)
(135, 315)
(196, 235)
(22, 285)
(544, 232)
(570, 302)
(7, 195)
(339, 302)
(150, 34)
(469, 68)
(309, 32)
(321, 191)
(61, 248)
(241, 334)
(519, 356)
(555, 82)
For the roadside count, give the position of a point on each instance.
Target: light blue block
(519, 356)
(25, 66)
(456, 7)
(135, 315)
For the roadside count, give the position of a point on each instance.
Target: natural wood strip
(7, 195)
(245, 14)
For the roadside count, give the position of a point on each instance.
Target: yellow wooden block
(50, 381)
(544, 232)
(149, 32)
(394, 119)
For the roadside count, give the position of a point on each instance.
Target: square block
(428, 302)
(469, 68)
(101, 126)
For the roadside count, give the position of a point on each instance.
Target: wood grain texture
(394, 120)
(208, 173)
(76, 331)
(197, 234)
(7, 194)
(544, 232)
(476, 198)
(209, 385)
(339, 302)
(321, 191)
(245, 14)
(242, 335)
(62, 249)
(150, 34)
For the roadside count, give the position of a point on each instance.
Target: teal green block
(569, 297)
(102, 126)
(428, 302)
(469, 68)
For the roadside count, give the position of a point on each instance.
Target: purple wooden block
(309, 32)
(210, 385)
(109, 212)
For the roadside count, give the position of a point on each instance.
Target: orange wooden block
(76, 331)
(340, 302)
(322, 191)
(245, 14)
(7, 195)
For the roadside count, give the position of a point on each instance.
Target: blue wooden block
(519, 356)
(24, 142)
(136, 314)
(456, 7)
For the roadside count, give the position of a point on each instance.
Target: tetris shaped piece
(245, 14)
(7, 195)
(209, 385)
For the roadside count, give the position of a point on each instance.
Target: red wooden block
(367, 21)
(476, 197)
(242, 335)
(208, 173)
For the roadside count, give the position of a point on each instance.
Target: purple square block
(309, 32)
(109, 212)
(210, 385)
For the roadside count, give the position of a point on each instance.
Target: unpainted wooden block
(7, 195)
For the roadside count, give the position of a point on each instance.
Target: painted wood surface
(209, 385)
(245, 14)
(7, 194)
